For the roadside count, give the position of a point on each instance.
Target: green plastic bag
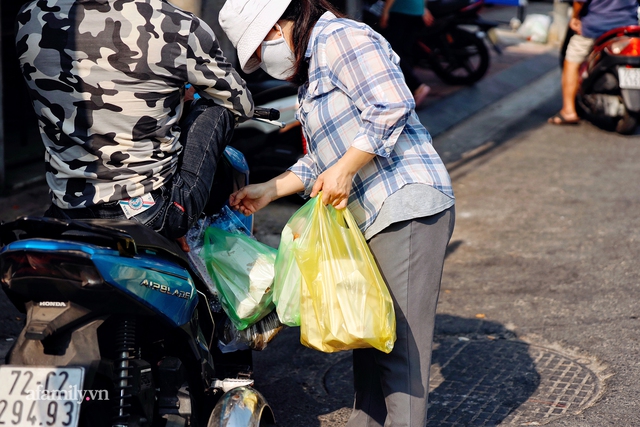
(287, 282)
(344, 301)
(242, 269)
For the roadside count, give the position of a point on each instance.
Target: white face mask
(277, 58)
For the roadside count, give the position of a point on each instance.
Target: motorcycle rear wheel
(624, 125)
(627, 124)
(457, 56)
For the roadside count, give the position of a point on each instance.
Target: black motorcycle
(455, 46)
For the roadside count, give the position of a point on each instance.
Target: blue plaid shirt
(356, 97)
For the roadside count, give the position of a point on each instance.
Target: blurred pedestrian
(567, 36)
(590, 19)
(366, 150)
(402, 21)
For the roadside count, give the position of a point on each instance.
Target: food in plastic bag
(287, 282)
(242, 269)
(227, 220)
(255, 337)
(344, 301)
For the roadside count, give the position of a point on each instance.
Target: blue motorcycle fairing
(160, 285)
(237, 159)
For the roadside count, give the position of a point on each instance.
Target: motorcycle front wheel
(456, 56)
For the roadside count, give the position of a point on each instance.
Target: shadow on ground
(481, 372)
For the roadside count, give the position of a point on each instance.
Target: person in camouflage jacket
(107, 81)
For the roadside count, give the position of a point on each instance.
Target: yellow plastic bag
(344, 302)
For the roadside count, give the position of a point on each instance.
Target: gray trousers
(392, 389)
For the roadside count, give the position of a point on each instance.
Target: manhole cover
(484, 382)
(489, 382)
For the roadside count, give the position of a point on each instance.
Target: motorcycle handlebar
(266, 113)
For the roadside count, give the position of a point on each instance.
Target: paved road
(546, 244)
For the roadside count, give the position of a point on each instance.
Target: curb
(468, 101)
(484, 131)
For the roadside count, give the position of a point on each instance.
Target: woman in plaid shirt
(368, 151)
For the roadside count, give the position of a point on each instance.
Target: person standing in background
(590, 19)
(401, 22)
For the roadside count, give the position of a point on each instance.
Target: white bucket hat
(247, 23)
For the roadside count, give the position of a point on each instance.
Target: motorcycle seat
(128, 237)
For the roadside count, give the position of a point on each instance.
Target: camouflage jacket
(107, 79)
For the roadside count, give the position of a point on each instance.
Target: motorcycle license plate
(48, 397)
(629, 78)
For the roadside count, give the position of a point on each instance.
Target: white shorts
(578, 49)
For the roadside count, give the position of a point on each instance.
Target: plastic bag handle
(341, 212)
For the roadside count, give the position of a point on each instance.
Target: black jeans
(402, 33)
(207, 129)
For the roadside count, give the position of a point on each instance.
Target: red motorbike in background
(609, 91)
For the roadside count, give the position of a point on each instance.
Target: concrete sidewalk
(543, 262)
(520, 63)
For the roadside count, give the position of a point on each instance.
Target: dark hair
(305, 14)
